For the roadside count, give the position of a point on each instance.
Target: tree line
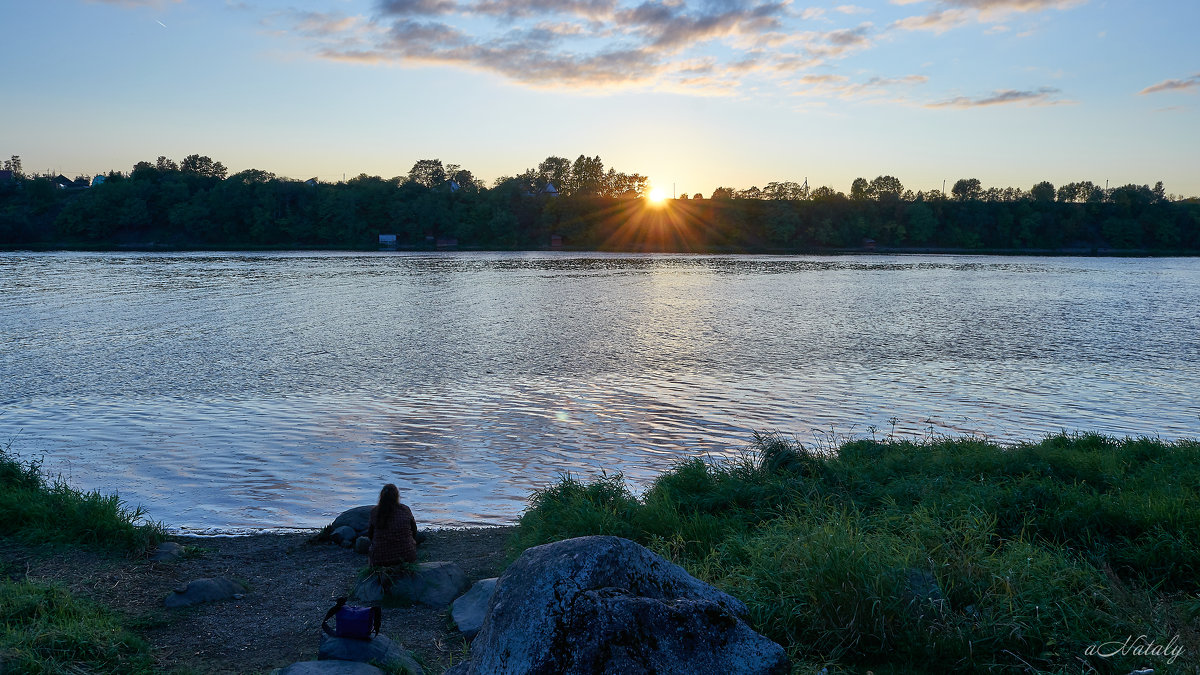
(196, 203)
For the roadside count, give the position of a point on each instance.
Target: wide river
(228, 392)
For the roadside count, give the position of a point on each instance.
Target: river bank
(292, 581)
(883, 555)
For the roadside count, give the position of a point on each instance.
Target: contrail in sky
(160, 23)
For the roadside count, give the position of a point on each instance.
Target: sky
(695, 95)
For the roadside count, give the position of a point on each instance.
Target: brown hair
(389, 504)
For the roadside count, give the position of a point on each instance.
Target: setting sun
(657, 195)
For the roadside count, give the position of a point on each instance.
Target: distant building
(549, 191)
(311, 182)
(556, 241)
(446, 242)
(62, 182)
(98, 180)
(387, 241)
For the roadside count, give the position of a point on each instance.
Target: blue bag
(359, 623)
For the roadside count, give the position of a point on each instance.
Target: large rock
(328, 668)
(380, 650)
(608, 605)
(357, 518)
(433, 584)
(469, 610)
(204, 590)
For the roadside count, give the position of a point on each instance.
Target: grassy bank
(43, 628)
(945, 555)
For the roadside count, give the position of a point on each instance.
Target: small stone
(168, 551)
(344, 535)
(362, 545)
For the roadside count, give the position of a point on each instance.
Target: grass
(36, 508)
(43, 628)
(950, 554)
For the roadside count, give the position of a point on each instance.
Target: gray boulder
(168, 551)
(469, 610)
(204, 590)
(607, 605)
(433, 584)
(357, 518)
(328, 668)
(362, 545)
(380, 650)
(344, 535)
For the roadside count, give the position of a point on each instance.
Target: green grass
(36, 508)
(1037, 550)
(44, 629)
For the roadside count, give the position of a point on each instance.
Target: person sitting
(392, 530)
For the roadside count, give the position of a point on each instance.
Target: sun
(657, 195)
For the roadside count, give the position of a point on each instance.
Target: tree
(860, 190)
(966, 189)
(697, 196)
(14, 165)
(722, 193)
(556, 171)
(786, 190)
(921, 223)
(467, 182)
(1042, 192)
(252, 176)
(163, 164)
(885, 188)
(143, 171)
(587, 176)
(427, 172)
(202, 165)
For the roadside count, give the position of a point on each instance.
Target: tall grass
(34, 507)
(948, 554)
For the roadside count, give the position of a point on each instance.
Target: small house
(387, 241)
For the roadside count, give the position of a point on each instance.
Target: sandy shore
(292, 583)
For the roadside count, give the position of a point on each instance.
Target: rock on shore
(606, 604)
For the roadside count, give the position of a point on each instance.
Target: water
(245, 391)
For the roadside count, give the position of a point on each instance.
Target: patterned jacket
(395, 543)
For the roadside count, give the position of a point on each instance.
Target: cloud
(1039, 96)
(949, 14)
(132, 3)
(1173, 85)
(1005, 6)
(839, 86)
(733, 47)
(938, 21)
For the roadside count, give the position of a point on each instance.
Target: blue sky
(694, 94)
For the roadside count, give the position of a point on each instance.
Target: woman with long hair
(392, 530)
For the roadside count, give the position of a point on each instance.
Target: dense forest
(194, 203)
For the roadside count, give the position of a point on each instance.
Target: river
(232, 392)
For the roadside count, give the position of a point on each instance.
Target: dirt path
(292, 583)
